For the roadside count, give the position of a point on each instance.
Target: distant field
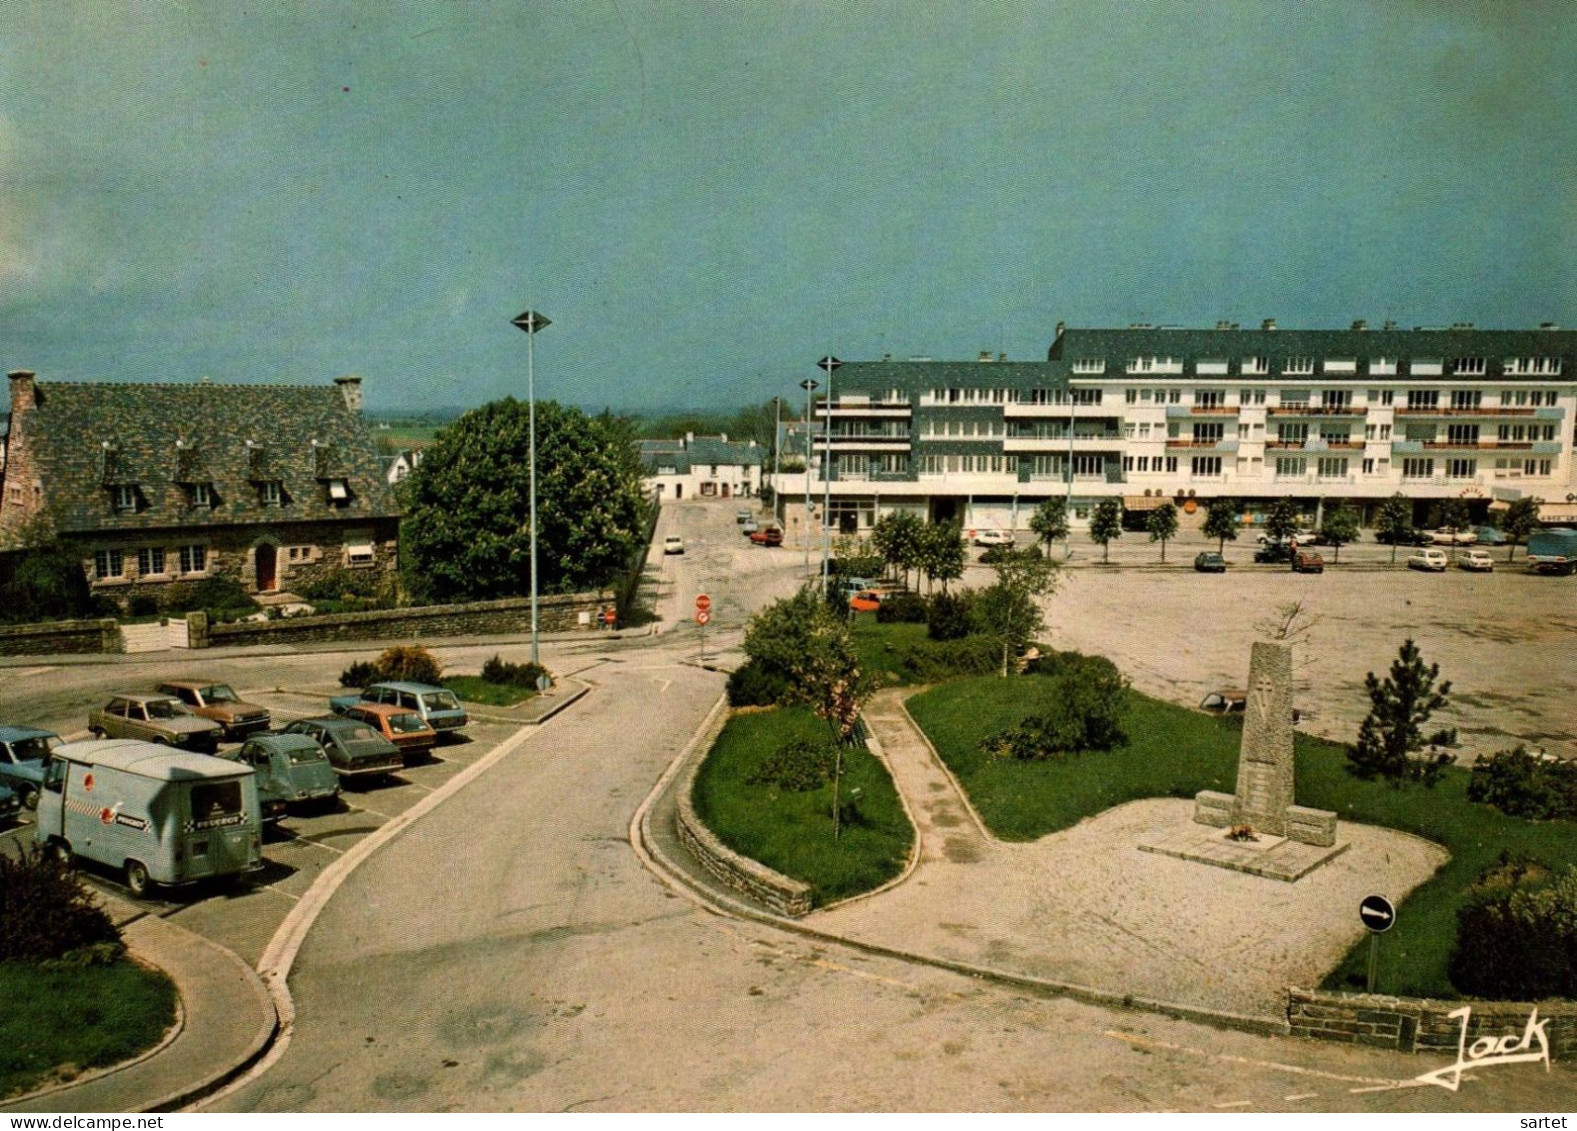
(406, 435)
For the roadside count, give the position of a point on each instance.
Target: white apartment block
(1153, 413)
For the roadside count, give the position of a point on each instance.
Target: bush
(222, 598)
(753, 685)
(995, 554)
(949, 616)
(47, 913)
(903, 608)
(409, 662)
(342, 584)
(142, 605)
(932, 660)
(1517, 935)
(500, 671)
(1521, 785)
(359, 674)
(857, 565)
(1080, 709)
(44, 583)
(798, 767)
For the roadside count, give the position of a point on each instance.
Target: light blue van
(157, 815)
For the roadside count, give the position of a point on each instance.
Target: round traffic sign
(702, 617)
(1377, 913)
(703, 602)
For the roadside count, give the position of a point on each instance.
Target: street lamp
(827, 364)
(530, 322)
(810, 385)
(777, 443)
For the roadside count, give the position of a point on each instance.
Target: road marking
(1234, 1103)
(1296, 1096)
(370, 809)
(31, 671)
(1229, 1058)
(1392, 1087)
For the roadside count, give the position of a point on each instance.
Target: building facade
(156, 485)
(1149, 414)
(699, 467)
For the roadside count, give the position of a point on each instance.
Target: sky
(706, 197)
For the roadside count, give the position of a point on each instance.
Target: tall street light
(777, 438)
(828, 364)
(810, 385)
(530, 322)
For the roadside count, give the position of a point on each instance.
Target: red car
(865, 601)
(767, 536)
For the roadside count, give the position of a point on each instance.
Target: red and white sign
(702, 616)
(703, 602)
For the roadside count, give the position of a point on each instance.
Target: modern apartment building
(1155, 413)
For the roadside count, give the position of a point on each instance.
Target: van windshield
(216, 803)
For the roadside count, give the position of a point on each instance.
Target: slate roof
(683, 455)
(914, 377)
(86, 438)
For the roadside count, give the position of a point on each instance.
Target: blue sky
(706, 197)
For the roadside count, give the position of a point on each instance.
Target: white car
(1446, 536)
(1477, 560)
(673, 544)
(1428, 559)
(993, 538)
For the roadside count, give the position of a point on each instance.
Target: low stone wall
(61, 637)
(560, 613)
(1424, 1025)
(784, 895)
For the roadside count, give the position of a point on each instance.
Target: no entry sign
(703, 603)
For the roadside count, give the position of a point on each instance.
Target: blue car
(23, 752)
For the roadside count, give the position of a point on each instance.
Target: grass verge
(791, 832)
(475, 689)
(1175, 752)
(60, 1023)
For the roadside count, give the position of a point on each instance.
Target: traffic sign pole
(1374, 958)
(1378, 914)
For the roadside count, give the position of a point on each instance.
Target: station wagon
(437, 706)
(354, 748)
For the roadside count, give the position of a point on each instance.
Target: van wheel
(60, 852)
(137, 877)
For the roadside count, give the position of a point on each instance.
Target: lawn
(791, 832)
(882, 647)
(475, 689)
(1175, 752)
(77, 1019)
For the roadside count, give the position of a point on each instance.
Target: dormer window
(271, 492)
(200, 495)
(124, 496)
(339, 491)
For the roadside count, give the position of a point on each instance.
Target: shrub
(359, 674)
(798, 767)
(932, 660)
(46, 912)
(1080, 709)
(1517, 935)
(222, 598)
(409, 662)
(949, 617)
(1521, 785)
(857, 565)
(753, 685)
(142, 605)
(903, 608)
(995, 554)
(341, 585)
(501, 671)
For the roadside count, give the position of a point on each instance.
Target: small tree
(896, 537)
(1162, 525)
(1521, 517)
(1452, 516)
(1106, 524)
(1221, 522)
(1394, 521)
(1281, 521)
(1393, 733)
(1008, 611)
(1339, 527)
(941, 552)
(1050, 521)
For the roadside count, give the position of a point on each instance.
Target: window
(1295, 398)
(108, 564)
(271, 493)
(339, 492)
(1425, 366)
(1335, 434)
(1144, 463)
(1131, 396)
(1171, 464)
(1332, 467)
(1462, 433)
(200, 495)
(1533, 366)
(194, 559)
(1368, 467)
(1089, 365)
(1207, 466)
(125, 497)
(1466, 398)
(1173, 396)
(1341, 365)
(1338, 400)
(1211, 366)
(1292, 433)
(1208, 433)
(1461, 468)
(1207, 398)
(1416, 468)
(1385, 431)
(1386, 397)
(1089, 465)
(1086, 396)
(1423, 399)
(1256, 365)
(150, 561)
(1251, 396)
(1382, 365)
(1295, 366)
(1144, 431)
(1467, 365)
(1127, 463)
(1290, 466)
(1371, 431)
(359, 550)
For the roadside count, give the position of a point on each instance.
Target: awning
(1550, 513)
(1144, 502)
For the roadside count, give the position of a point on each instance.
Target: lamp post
(810, 385)
(827, 364)
(530, 322)
(777, 443)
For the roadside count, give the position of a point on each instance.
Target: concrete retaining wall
(784, 895)
(1421, 1024)
(63, 637)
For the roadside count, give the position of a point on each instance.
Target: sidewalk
(224, 1021)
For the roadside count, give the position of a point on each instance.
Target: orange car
(866, 601)
(399, 725)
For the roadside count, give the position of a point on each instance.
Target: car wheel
(160, 740)
(96, 732)
(60, 852)
(137, 878)
(30, 797)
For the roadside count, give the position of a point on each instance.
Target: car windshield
(164, 709)
(406, 724)
(443, 700)
(220, 693)
(27, 749)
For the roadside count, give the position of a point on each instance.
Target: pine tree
(1392, 733)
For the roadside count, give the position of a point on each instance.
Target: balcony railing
(1307, 410)
(1448, 410)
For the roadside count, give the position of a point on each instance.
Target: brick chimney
(350, 389)
(24, 395)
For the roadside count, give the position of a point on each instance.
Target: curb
(873, 744)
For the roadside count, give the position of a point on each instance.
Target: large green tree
(467, 530)
(896, 537)
(941, 552)
(1339, 527)
(1394, 521)
(1050, 521)
(1162, 525)
(1281, 521)
(1222, 522)
(1008, 611)
(1451, 515)
(1106, 525)
(1520, 519)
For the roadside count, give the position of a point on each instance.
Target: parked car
(768, 536)
(402, 727)
(1553, 551)
(1265, 539)
(159, 719)
(993, 537)
(1274, 552)
(1478, 561)
(354, 748)
(23, 753)
(1448, 536)
(1231, 701)
(10, 803)
(866, 601)
(749, 526)
(218, 702)
(1413, 537)
(1307, 561)
(436, 706)
(743, 516)
(673, 544)
(290, 768)
(1210, 562)
(1428, 559)
(1489, 536)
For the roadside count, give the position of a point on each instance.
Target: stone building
(275, 486)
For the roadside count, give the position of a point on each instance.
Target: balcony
(1225, 446)
(841, 441)
(1104, 442)
(1307, 410)
(1186, 410)
(854, 410)
(1315, 444)
(1442, 410)
(1020, 410)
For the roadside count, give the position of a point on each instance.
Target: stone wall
(784, 895)
(61, 637)
(559, 613)
(1421, 1024)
